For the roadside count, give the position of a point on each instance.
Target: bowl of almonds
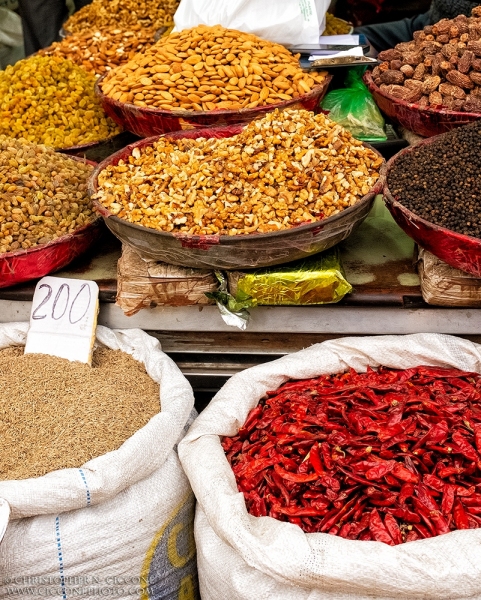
(46, 216)
(207, 77)
(241, 196)
(433, 83)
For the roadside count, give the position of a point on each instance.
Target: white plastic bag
(120, 526)
(238, 553)
(282, 21)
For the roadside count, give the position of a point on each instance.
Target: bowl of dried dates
(433, 83)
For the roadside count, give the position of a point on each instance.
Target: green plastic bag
(354, 108)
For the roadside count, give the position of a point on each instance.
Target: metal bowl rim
(413, 105)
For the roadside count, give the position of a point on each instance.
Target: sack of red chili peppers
(350, 469)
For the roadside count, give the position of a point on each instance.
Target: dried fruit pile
(122, 13)
(335, 26)
(51, 101)
(289, 168)
(440, 181)
(43, 195)
(390, 456)
(207, 68)
(440, 68)
(99, 51)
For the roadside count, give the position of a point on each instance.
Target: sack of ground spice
(100, 505)
(238, 551)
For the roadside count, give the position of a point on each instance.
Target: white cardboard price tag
(64, 318)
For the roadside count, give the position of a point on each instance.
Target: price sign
(64, 318)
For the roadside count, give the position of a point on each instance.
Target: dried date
(389, 55)
(472, 104)
(391, 77)
(465, 62)
(435, 99)
(419, 72)
(456, 78)
(430, 84)
(475, 47)
(475, 77)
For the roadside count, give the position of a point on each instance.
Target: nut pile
(43, 195)
(122, 13)
(440, 181)
(207, 68)
(48, 100)
(441, 67)
(101, 50)
(100, 407)
(287, 169)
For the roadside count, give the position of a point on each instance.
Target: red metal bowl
(23, 265)
(225, 251)
(147, 122)
(423, 121)
(460, 251)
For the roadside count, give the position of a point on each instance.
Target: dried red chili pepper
(385, 455)
(459, 515)
(378, 530)
(295, 477)
(447, 503)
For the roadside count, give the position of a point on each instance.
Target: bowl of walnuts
(433, 83)
(244, 196)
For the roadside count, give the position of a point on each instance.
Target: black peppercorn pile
(441, 182)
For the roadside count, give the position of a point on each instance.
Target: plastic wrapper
(354, 108)
(442, 285)
(234, 252)
(147, 283)
(457, 250)
(146, 122)
(423, 121)
(286, 22)
(316, 280)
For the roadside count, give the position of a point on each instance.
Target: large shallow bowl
(423, 121)
(224, 251)
(24, 265)
(146, 122)
(460, 251)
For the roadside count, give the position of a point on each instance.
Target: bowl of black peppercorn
(433, 191)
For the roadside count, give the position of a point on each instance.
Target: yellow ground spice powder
(56, 414)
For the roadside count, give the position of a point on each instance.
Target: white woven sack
(241, 557)
(122, 525)
(289, 22)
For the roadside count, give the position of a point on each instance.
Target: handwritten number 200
(71, 315)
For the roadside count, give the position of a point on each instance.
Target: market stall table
(378, 261)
